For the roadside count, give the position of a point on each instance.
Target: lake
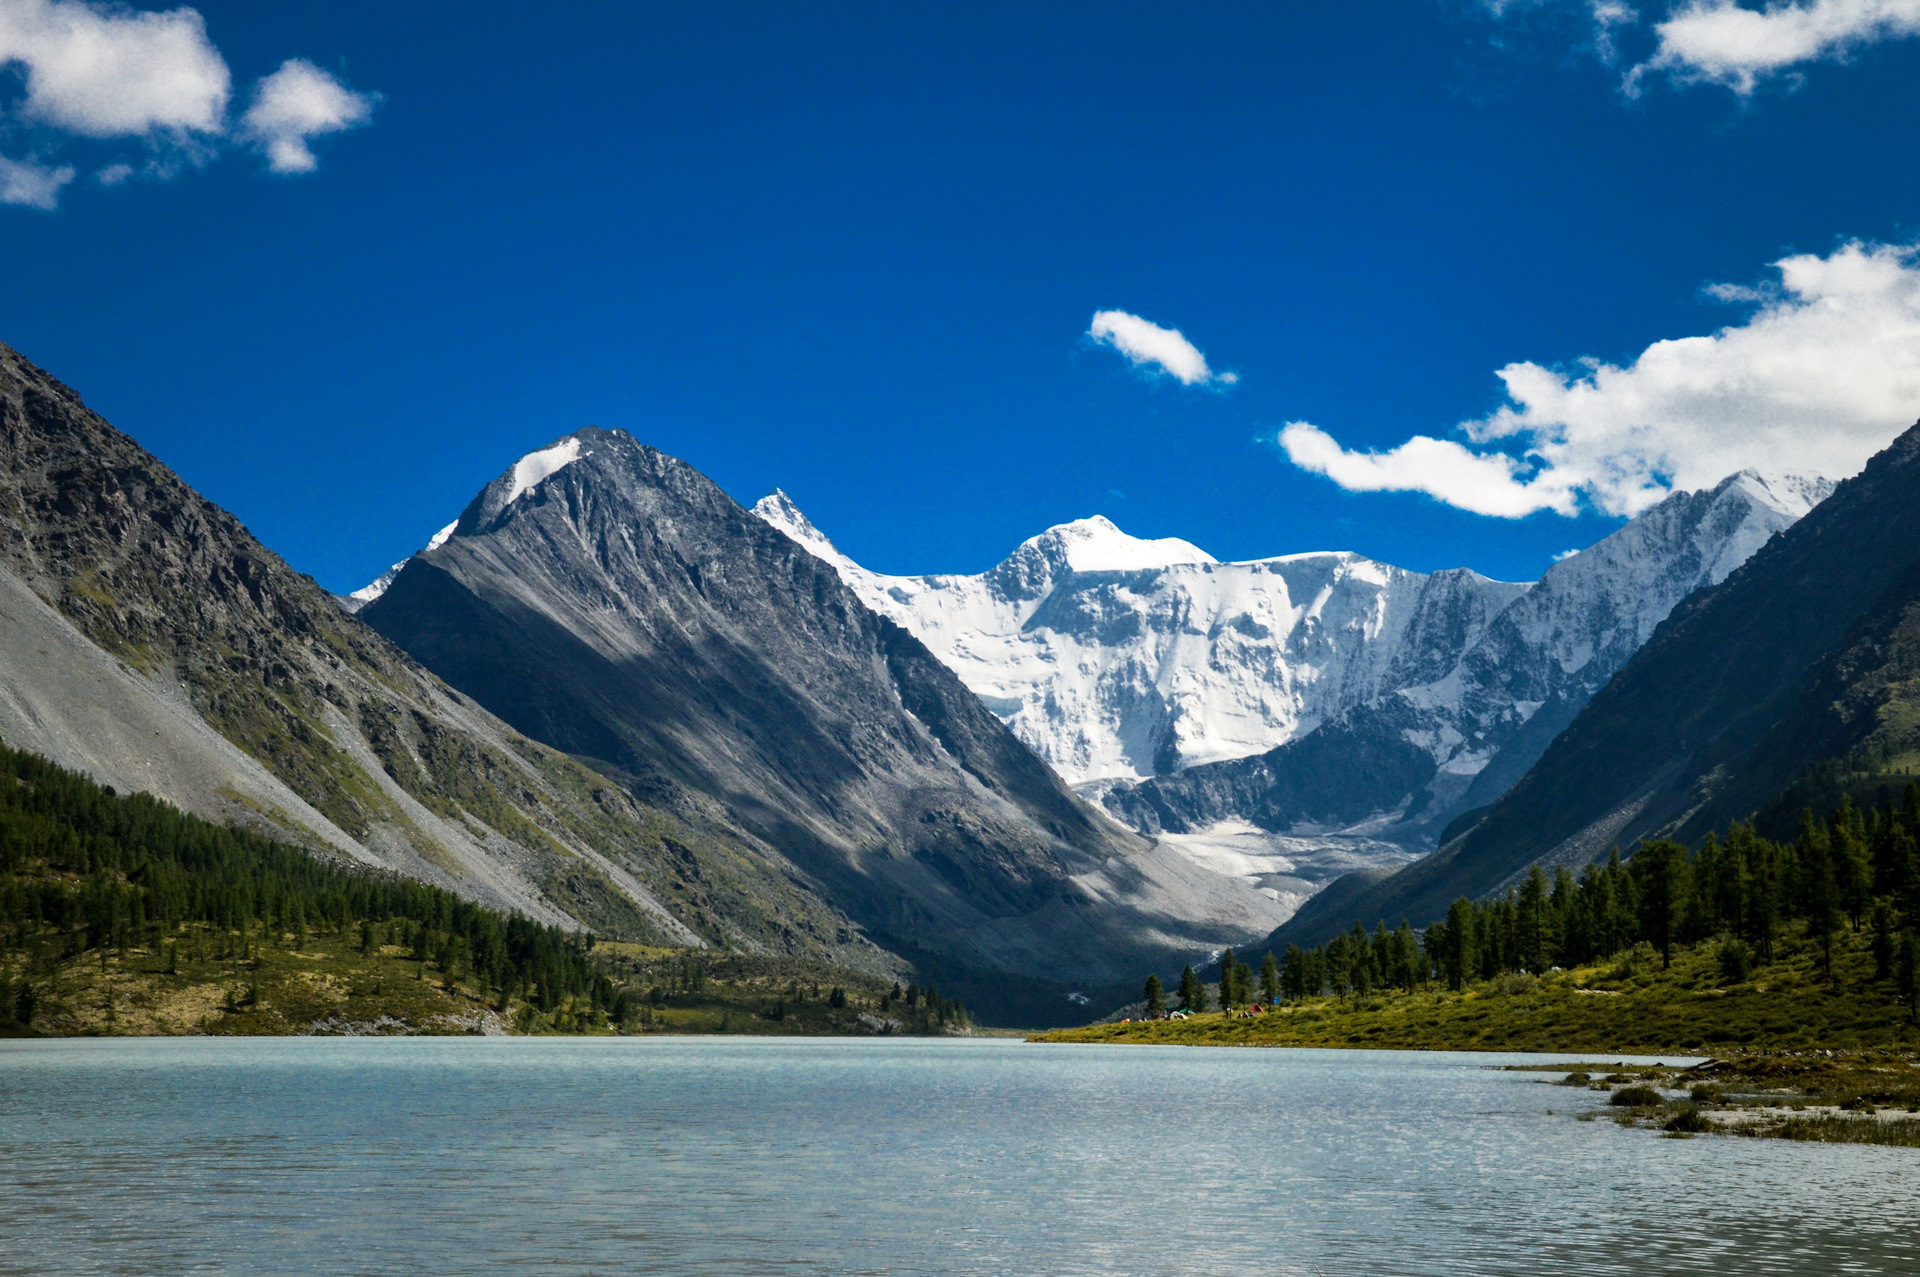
(884, 1156)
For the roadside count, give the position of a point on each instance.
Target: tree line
(1855, 869)
(85, 868)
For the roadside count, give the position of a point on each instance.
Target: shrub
(1510, 983)
(1736, 961)
(1687, 1121)
(1636, 1097)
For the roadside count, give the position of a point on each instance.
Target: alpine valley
(609, 698)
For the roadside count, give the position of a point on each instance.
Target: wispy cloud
(1157, 350)
(1821, 373)
(105, 73)
(31, 184)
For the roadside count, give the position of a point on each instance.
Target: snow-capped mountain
(1434, 748)
(1121, 658)
(1311, 691)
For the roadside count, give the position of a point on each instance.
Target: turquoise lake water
(760, 1156)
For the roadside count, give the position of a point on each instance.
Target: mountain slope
(1804, 655)
(614, 603)
(153, 642)
(1426, 752)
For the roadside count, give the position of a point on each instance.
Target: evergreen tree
(1156, 996)
(1659, 869)
(1884, 944)
(1193, 995)
(1269, 979)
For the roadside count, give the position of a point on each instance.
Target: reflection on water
(730, 1156)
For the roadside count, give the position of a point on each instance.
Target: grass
(1629, 1005)
(197, 980)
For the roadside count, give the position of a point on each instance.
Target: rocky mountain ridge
(148, 639)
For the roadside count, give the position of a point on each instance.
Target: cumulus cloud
(1822, 373)
(1148, 346)
(1717, 41)
(104, 72)
(34, 185)
(1726, 42)
(298, 102)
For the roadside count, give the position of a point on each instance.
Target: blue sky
(854, 251)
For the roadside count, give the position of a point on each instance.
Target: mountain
(1799, 666)
(1118, 658)
(613, 603)
(147, 639)
(1289, 720)
(1426, 751)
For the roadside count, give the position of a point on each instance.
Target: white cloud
(113, 72)
(1481, 482)
(95, 72)
(1726, 42)
(1148, 345)
(1824, 372)
(298, 102)
(1719, 42)
(34, 185)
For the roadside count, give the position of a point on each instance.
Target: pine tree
(1459, 959)
(1269, 979)
(1660, 869)
(1156, 996)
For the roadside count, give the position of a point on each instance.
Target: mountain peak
(778, 509)
(537, 467)
(1790, 492)
(1096, 544)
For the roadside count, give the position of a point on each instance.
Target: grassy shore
(201, 981)
(1630, 1005)
(1870, 1097)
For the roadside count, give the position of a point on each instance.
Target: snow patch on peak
(1791, 494)
(778, 509)
(1096, 545)
(443, 536)
(537, 467)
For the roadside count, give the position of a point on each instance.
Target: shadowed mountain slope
(148, 639)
